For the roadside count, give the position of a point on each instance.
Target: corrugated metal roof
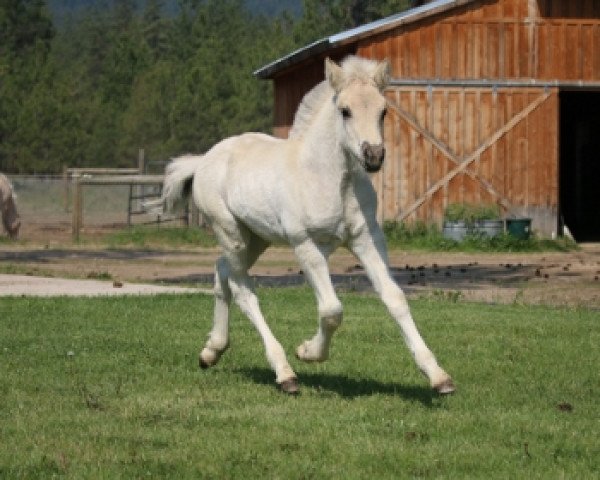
(353, 35)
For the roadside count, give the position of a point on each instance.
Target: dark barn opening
(580, 164)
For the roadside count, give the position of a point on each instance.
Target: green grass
(5, 239)
(109, 388)
(152, 236)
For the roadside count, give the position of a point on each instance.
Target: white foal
(312, 191)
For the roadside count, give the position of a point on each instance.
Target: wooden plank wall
(290, 88)
(487, 39)
(502, 39)
(289, 91)
(521, 167)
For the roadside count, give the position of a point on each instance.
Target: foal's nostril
(373, 152)
(373, 156)
(378, 153)
(365, 148)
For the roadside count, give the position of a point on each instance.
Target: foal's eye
(346, 113)
(383, 114)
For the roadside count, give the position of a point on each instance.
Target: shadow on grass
(347, 387)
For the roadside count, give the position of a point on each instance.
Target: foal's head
(360, 108)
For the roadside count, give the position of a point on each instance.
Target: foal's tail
(177, 185)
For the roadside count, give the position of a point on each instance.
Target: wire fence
(46, 202)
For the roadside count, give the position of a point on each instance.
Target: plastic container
(489, 228)
(455, 231)
(459, 229)
(519, 227)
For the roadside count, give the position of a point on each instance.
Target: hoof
(303, 353)
(202, 364)
(209, 357)
(446, 387)
(290, 386)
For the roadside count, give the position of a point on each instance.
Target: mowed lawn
(109, 388)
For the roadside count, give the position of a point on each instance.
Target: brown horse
(8, 208)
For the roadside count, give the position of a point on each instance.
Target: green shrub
(471, 212)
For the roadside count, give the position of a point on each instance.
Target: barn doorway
(580, 164)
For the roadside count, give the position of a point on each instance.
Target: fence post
(130, 204)
(66, 187)
(195, 214)
(77, 210)
(141, 162)
(140, 190)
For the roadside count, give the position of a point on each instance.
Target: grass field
(109, 388)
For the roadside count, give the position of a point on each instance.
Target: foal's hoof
(202, 364)
(445, 387)
(290, 386)
(304, 353)
(207, 359)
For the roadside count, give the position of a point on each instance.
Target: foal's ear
(334, 75)
(381, 77)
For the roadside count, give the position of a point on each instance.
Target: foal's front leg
(370, 250)
(313, 261)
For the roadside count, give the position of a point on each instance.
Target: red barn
(491, 101)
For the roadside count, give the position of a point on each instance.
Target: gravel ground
(561, 279)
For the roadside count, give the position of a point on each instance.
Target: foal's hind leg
(218, 339)
(242, 248)
(243, 293)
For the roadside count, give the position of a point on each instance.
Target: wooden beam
(102, 171)
(122, 180)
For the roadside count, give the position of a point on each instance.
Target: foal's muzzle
(373, 156)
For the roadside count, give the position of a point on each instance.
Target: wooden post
(66, 187)
(129, 204)
(140, 189)
(195, 214)
(77, 210)
(141, 162)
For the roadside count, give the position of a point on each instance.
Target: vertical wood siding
(289, 89)
(504, 39)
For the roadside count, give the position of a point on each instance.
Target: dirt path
(12, 285)
(547, 278)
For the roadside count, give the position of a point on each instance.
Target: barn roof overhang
(353, 35)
